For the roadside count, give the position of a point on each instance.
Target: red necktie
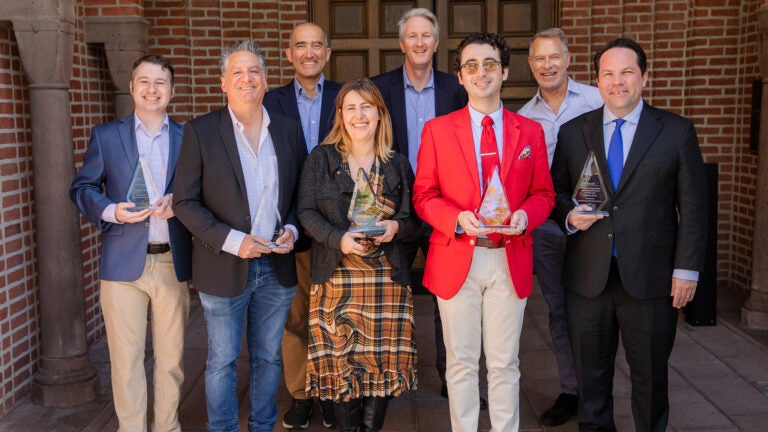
(489, 158)
(489, 151)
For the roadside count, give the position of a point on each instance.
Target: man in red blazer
(481, 276)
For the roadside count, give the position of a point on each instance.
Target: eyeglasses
(488, 65)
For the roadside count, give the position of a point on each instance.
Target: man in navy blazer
(627, 274)
(415, 93)
(145, 254)
(235, 190)
(309, 99)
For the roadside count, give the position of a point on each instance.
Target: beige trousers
(485, 314)
(124, 305)
(296, 334)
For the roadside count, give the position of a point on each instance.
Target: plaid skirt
(361, 333)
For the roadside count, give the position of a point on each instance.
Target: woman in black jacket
(361, 342)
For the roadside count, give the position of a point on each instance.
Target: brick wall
(18, 294)
(702, 61)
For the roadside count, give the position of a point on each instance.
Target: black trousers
(647, 328)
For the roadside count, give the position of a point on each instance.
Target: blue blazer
(282, 100)
(449, 96)
(104, 179)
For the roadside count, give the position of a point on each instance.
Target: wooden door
(364, 38)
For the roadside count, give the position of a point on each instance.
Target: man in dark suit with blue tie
(628, 274)
(309, 99)
(415, 93)
(145, 253)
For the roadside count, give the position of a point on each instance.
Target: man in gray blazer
(236, 192)
(628, 274)
(145, 254)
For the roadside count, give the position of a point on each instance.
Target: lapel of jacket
(230, 147)
(648, 129)
(127, 132)
(288, 102)
(174, 143)
(511, 144)
(397, 96)
(278, 135)
(327, 108)
(592, 129)
(463, 130)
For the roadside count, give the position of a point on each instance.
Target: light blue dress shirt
(309, 112)
(419, 108)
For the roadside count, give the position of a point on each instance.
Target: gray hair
(418, 12)
(243, 45)
(549, 33)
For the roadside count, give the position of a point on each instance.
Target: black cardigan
(325, 191)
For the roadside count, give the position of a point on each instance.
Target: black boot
(374, 411)
(348, 415)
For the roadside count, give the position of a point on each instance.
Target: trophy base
(142, 208)
(494, 226)
(591, 212)
(273, 245)
(369, 231)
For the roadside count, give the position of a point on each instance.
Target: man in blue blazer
(145, 254)
(309, 99)
(415, 93)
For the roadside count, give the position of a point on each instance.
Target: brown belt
(488, 243)
(158, 248)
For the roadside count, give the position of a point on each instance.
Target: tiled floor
(718, 382)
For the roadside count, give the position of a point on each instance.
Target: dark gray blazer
(209, 197)
(325, 192)
(658, 215)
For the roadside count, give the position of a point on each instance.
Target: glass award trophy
(494, 210)
(142, 190)
(590, 189)
(364, 210)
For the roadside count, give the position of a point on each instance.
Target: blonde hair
(339, 137)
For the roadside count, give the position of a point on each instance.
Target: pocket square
(526, 153)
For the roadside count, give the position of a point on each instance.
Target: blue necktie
(616, 154)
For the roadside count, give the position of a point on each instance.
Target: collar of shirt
(139, 125)
(627, 130)
(239, 127)
(407, 82)
(299, 90)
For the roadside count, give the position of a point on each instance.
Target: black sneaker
(329, 416)
(298, 414)
(564, 408)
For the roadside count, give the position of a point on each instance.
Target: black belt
(158, 248)
(488, 243)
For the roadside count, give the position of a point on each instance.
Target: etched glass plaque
(266, 214)
(590, 189)
(364, 209)
(494, 210)
(142, 190)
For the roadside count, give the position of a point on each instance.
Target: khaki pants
(296, 334)
(485, 310)
(124, 305)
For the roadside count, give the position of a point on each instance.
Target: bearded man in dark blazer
(628, 273)
(236, 185)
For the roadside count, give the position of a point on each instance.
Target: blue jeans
(263, 305)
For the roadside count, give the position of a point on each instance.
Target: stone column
(125, 40)
(65, 376)
(754, 313)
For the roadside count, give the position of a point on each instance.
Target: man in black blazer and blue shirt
(236, 191)
(310, 99)
(628, 273)
(415, 93)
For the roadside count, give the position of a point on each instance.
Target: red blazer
(447, 183)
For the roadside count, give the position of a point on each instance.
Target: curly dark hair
(483, 38)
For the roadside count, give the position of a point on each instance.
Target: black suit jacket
(324, 197)
(209, 197)
(282, 100)
(449, 96)
(658, 215)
